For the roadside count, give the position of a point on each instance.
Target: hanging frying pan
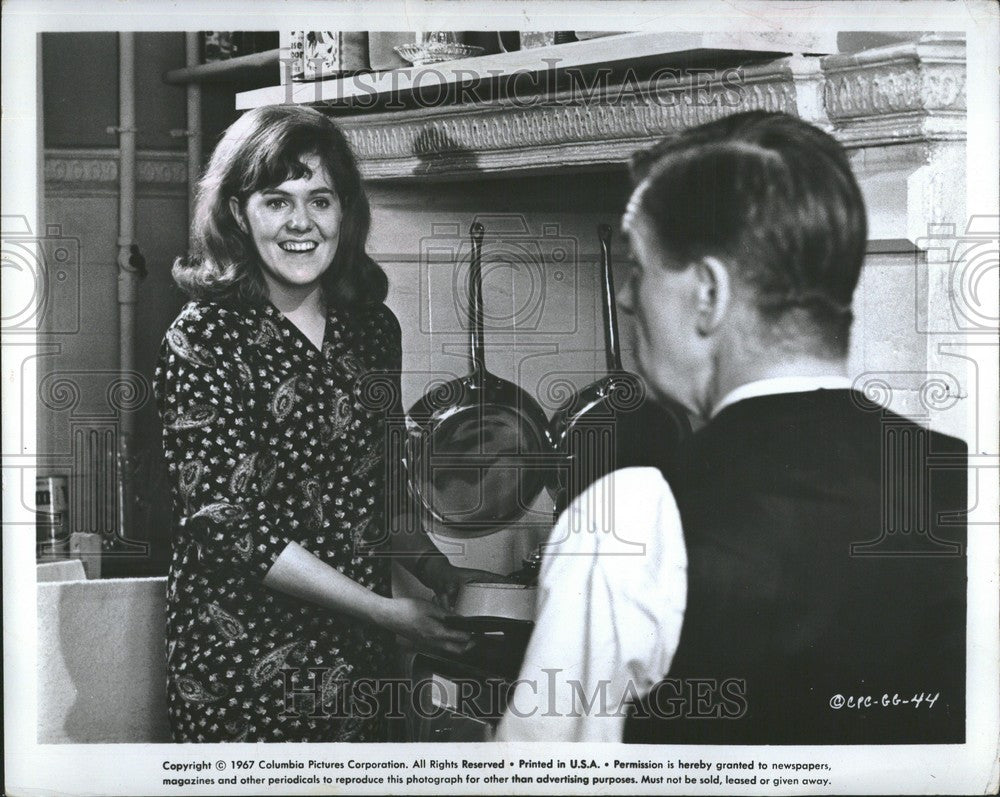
(478, 446)
(612, 423)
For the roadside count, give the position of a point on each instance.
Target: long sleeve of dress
(217, 461)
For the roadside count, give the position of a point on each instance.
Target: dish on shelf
(436, 52)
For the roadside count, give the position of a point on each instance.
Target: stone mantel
(912, 92)
(904, 93)
(566, 128)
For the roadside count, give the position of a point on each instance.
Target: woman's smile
(298, 246)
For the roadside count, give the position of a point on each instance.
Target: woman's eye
(322, 204)
(274, 203)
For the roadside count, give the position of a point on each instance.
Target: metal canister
(331, 54)
(296, 53)
(52, 517)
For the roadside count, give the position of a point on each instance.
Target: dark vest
(826, 563)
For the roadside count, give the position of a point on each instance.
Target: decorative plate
(436, 52)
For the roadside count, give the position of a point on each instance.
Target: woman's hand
(446, 580)
(422, 623)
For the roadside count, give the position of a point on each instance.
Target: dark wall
(80, 86)
(80, 81)
(159, 107)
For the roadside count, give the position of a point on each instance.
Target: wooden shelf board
(626, 49)
(232, 69)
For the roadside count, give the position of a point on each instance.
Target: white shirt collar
(782, 384)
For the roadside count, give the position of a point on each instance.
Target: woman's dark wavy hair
(262, 149)
(773, 197)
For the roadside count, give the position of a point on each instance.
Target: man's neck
(742, 374)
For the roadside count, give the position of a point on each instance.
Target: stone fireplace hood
(907, 93)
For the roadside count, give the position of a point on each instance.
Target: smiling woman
(278, 591)
(267, 165)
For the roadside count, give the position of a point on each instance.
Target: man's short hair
(774, 198)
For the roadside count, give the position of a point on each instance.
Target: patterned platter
(436, 52)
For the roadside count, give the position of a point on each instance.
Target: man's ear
(713, 293)
(234, 208)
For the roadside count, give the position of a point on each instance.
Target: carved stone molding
(80, 168)
(94, 172)
(562, 129)
(906, 92)
(902, 93)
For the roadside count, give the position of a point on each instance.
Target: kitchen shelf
(636, 51)
(240, 69)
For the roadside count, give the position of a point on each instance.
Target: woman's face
(295, 227)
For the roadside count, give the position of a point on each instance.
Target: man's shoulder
(890, 423)
(808, 450)
(624, 508)
(626, 524)
(842, 416)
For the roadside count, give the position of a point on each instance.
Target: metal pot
(477, 451)
(612, 423)
(481, 599)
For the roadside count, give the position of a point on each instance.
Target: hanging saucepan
(612, 423)
(478, 446)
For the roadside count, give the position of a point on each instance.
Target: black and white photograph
(438, 406)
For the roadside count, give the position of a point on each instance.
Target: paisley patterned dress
(270, 440)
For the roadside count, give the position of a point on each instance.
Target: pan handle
(610, 308)
(476, 346)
